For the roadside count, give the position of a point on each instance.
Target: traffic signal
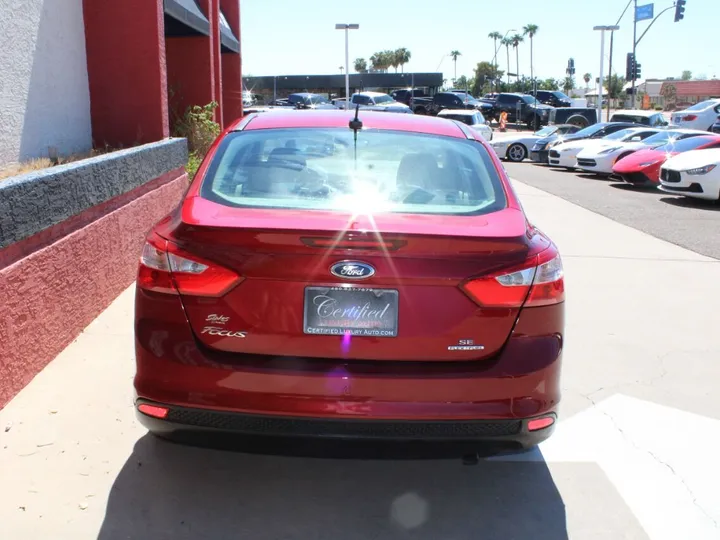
(637, 74)
(680, 9)
(629, 66)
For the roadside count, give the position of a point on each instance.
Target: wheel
(516, 153)
(420, 110)
(578, 120)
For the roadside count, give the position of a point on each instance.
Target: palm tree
(403, 57)
(530, 30)
(569, 84)
(455, 55)
(360, 65)
(517, 39)
(587, 78)
(393, 59)
(507, 42)
(495, 36)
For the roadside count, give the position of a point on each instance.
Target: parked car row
(675, 160)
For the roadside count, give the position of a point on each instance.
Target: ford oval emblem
(352, 270)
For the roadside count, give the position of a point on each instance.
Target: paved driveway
(633, 457)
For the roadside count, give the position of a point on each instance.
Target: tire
(578, 120)
(420, 110)
(516, 153)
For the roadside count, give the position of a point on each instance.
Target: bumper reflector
(540, 423)
(153, 410)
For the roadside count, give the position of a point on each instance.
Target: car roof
(340, 119)
(371, 94)
(638, 112)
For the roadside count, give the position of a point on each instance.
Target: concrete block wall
(70, 239)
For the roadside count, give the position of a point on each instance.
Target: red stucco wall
(51, 295)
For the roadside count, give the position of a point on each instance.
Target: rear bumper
(183, 422)
(322, 397)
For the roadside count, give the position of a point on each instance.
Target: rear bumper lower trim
(184, 420)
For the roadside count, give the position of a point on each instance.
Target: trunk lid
(297, 290)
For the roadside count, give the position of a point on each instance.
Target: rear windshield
(630, 118)
(324, 169)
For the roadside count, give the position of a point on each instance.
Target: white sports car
(601, 157)
(517, 147)
(694, 174)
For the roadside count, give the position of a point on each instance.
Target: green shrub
(200, 130)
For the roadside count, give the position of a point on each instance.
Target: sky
(283, 37)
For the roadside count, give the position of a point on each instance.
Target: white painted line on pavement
(662, 461)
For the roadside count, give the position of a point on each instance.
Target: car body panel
(700, 118)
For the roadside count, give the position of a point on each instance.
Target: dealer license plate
(357, 311)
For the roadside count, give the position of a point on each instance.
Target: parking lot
(633, 456)
(686, 222)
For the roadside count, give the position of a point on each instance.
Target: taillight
(539, 282)
(166, 268)
(690, 117)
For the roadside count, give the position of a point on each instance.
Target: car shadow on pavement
(170, 491)
(634, 188)
(695, 204)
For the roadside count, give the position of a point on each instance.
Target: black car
(306, 100)
(553, 98)
(521, 108)
(715, 128)
(540, 152)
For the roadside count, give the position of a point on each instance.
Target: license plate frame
(376, 311)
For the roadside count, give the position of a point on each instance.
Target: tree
(455, 55)
(530, 30)
(568, 84)
(381, 60)
(548, 84)
(360, 65)
(517, 39)
(402, 56)
(615, 86)
(507, 42)
(686, 75)
(495, 36)
(587, 78)
(485, 74)
(392, 59)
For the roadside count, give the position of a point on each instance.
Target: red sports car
(332, 275)
(643, 167)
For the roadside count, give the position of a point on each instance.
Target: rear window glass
(630, 118)
(683, 145)
(325, 169)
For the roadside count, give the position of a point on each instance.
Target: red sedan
(332, 276)
(643, 167)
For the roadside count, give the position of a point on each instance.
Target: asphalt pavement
(633, 457)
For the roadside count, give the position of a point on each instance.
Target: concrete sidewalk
(75, 465)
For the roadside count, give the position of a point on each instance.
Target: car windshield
(590, 130)
(662, 137)
(560, 95)
(702, 105)
(318, 99)
(621, 135)
(544, 132)
(683, 145)
(637, 119)
(383, 99)
(528, 99)
(324, 169)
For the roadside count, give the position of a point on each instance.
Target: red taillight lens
(539, 283)
(353, 243)
(540, 423)
(166, 268)
(690, 117)
(153, 410)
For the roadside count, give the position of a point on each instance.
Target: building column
(232, 67)
(125, 45)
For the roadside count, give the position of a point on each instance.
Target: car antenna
(355, 124)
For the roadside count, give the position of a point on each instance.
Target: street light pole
(634, 45)
(347, 27)
(602, 30)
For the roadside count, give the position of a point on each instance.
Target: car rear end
(323, 281)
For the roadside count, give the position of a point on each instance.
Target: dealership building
(79, 74)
